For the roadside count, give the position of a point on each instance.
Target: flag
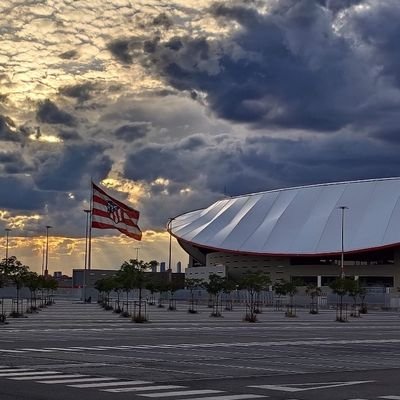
(109, 213)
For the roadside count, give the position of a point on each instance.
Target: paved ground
(73, 351)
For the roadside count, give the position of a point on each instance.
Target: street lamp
(46, 271)
(343, 208)
(170, 248)
(137, 252)
(7, 234)
(86, 252)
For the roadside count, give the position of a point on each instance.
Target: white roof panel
(303, 220)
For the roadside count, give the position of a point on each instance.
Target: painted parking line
(232, 397)
(390, 397)
(57, 375)
(105, 384)
(78, 380)
(182, 393)
(143, 388)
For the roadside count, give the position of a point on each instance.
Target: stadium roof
(304, 220)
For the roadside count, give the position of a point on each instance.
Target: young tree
(133, 274)
(16, 272)
(192, 284)
(32, 282)
(314, 292)
(340, 287)
(229, 286)
(254, 283)
(172, 287)
(214, 287)
(291, 288)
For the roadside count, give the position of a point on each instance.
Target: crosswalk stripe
(78, 380)
(38, 350)
(25, 373)
(182, 393)
(232, 397)
(143, 388)
(61, 349)
(105, 384)
(390, 397)
(15, 369)
(55, 376)
(11, 351)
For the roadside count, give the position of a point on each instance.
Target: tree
(172, 287)
(340, 287)
(283, 288)
(32, 282)
(254, 283)
(314, 292)
(133, 275)
(354, 291)
(105, 286)
(192, 284)
(16, 272)
(214, 287)
(229, 286)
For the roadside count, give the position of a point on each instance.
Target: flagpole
(86, 253)
(90, 227)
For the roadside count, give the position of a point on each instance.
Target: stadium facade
(300, 232)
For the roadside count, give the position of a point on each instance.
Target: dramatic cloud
(49, 113)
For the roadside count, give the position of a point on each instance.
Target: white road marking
(143, 388)
(390, 397)
(25, 373)
(15, 369)
(78, 380)
(50, 375)
(231, 397)
(105, 384)
(38, 350)
(27, 378)
(319, 385)
(183, 393)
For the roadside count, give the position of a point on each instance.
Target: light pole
(86, 252)
(343, 208)
(170, 248)
(46, 271)
(7, 234)
(137, 252)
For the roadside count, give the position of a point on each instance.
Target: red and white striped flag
(109, 213)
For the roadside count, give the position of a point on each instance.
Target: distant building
(162, 266)
(92, 276)
(179, 267)
(154, 268)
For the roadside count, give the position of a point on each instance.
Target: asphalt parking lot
(73, 350)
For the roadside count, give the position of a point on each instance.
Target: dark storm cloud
(133, 131)
(49, 113)
(67, 135)
(338, 5)
(68, 55)
(22, 196)
(71, 166)
(81, 92)
(163, 21)
(379, 29)
(296, 66)
(13, 163)
(122, 50)
(6, 130)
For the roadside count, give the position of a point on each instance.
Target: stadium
(299, 233)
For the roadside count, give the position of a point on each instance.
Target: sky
(172, 105)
